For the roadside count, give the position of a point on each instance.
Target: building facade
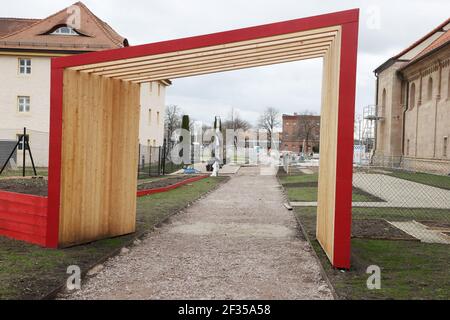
(413, 105)
(301, 133)
(26, 49)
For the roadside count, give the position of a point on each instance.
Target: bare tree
(172, 121)
(308, 126)
(235, 122)
(269, 120)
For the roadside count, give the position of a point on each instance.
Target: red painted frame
(348, 20)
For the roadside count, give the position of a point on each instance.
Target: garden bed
(378, 229)
(39, 186)
(162, 182)
(33, 186)
(31, 272)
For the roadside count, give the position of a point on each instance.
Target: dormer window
(65, 31)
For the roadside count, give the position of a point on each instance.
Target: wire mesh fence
(397, 199)
(412, 196)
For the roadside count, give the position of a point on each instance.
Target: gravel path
(239, 242)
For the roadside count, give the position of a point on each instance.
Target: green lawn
(409, 269)
(28, 172)
(299, 178)
(392, 214)
(303, 188)
(152, 170)
(29, 272)
(425, 178)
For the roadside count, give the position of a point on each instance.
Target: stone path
(239, 242)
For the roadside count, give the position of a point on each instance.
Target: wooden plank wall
(99, 158)
(328, 148)
(23, 217)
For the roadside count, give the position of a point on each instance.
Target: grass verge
(8, 173)
(433, 180)
(303, 188)
(31, 272)
(409, 269)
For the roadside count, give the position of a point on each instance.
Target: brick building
(300, 131)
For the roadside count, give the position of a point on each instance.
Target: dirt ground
(33, 186)
(377, 229)
(239, 242)
(39, 186)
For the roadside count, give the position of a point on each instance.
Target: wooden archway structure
(95, 117)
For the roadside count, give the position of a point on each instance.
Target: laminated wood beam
(247, 62)
(151, 66)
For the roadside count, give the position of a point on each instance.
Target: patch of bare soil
(436, 225)
(161, 183)
(378, 229)
(33, 186)
(39, 186)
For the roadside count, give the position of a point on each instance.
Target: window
(23, 103)
(24, 66)
(149, 116)
(407, 147)
(445, 147)
(159, 89)
(148, 142)
(65, 31)
(412, 97)
(19, 138)
(154, 142)
(157, 118)
(448, 86)
(150, 85)
(383, 104)
(430, 89)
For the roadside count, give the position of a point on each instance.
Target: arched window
(382, 110)
(65, 31)
(430, 89)
(448, 85)
(412, 96)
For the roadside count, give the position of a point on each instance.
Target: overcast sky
(386, 27)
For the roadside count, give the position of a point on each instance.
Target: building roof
(35, 34)
(437, 38)
(441, 41)
(10, 25)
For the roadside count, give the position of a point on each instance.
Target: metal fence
(398, 199)
(38, 142)
(411, 197)
(155, 161)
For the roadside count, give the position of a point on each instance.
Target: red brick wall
(294, 132)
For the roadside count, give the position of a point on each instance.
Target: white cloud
(290, 87)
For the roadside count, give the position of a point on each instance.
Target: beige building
(26, 49)
(413, 105)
